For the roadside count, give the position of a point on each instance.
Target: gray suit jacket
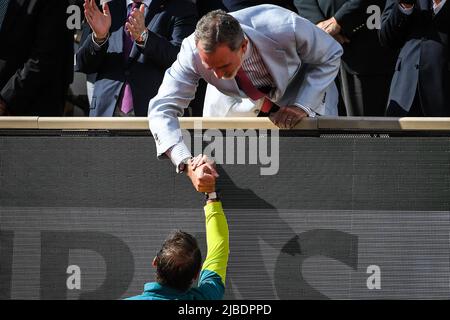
(302, 59)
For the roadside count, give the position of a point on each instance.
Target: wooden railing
(320, 123)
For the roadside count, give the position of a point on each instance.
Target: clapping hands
(100, 22)
(135, 25)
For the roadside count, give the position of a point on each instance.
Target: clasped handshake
(202, 172)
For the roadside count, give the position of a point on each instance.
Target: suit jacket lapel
(443, 10)
(274, 59)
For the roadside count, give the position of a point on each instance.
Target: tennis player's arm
(217, 241)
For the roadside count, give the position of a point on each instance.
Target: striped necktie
(3, 8)
(246, 85)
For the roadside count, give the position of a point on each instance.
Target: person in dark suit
(130, 48)
(367, 67)
(205, 6)
(235, 5)
(36, 57)
(421, 83)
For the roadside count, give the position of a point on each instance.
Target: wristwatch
(143, 37)
(211, 196)
(182, 166)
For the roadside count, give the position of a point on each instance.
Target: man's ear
(196, 276)
(244, 45)
(154, 262)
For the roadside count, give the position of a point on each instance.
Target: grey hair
(218, 27)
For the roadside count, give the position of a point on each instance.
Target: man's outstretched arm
(214, 269)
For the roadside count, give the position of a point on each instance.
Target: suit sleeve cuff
(405, 10)
(178, 153)
(308, 110)
(96, 45)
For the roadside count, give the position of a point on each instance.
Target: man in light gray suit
(263, 59)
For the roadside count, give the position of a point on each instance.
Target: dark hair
(178, 261)
(218, 27)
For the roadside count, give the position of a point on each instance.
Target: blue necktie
(3, 8)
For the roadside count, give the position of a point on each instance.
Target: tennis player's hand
(202, 172)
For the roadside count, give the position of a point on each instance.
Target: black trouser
(364, 95)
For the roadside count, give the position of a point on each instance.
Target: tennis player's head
(178, 262)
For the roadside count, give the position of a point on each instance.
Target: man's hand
(100, 22)
(136, 23)
(3, 109)
(287, 117)
(330, 26)
(407, 3)
(202, 172)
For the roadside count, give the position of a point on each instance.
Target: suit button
(116, 96)
(256, 111)
(417, 66)
(127, 73)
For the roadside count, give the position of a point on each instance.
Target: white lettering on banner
(235, 144)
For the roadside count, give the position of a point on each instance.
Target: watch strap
(182, 166)
(211, 196)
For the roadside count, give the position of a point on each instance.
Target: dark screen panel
(340, 212)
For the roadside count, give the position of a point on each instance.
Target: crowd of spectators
(400, 67)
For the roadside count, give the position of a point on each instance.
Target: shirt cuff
(98, 46)
(308, 110)
(178, 153)
(405, 10)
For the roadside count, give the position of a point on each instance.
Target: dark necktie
(246, 85)
(3, 8)
(127, 98)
